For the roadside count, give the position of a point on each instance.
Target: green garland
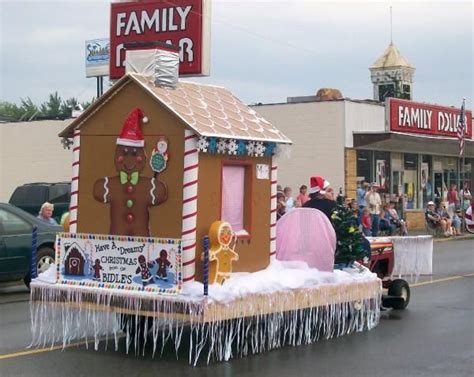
(350, 241)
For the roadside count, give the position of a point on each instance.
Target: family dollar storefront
(415, 159)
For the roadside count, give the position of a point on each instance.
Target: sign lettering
(413, 117)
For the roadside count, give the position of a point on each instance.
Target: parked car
(16, 227)
(31, 196)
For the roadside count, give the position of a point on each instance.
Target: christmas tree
(351, 244)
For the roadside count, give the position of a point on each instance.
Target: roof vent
(157, 65)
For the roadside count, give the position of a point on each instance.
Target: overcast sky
(263, 51)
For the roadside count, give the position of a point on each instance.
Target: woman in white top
(465, 196)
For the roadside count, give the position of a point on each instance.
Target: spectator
(456, 221)
(466, 196)
(290, 202)
(453, 199)
(303, 197)
(374, 202)
(386, 221)
(317, 195)
(281, 204)
(361, 191)
(340, 197)
(366, 222)
(46, 213)
(399, 222)
(443, 214)
(434, 220)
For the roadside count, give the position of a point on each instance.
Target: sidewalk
(422, 232)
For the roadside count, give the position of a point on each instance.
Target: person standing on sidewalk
(361, 203)
(374, 202)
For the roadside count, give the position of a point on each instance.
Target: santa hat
(318, 184)
(132, 135)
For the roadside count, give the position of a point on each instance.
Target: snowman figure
(159, 155)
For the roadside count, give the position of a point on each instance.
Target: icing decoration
(251, 148)
(106, 189)
(125, 178)
(221, 252)
(159, 155)
(152, 191)
(202, 144)
(212, 145)
(232, 146)
(242, 148)
(221, 146)
(259, 149)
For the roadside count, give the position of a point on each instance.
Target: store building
(409, 149)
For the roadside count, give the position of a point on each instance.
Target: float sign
(97, 57)
(182, 23)
(119, 262)
(422, 118)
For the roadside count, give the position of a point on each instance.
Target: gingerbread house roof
(208, 110)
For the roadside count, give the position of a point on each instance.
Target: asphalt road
(433, 337)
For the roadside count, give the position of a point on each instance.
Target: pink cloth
(306, 234)
(233, 180)
(302, 199)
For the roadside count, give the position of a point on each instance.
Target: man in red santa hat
(318, 198)
(129, 193)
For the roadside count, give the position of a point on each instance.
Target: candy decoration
(190, 190)
(129, 189)
(259, 149)
(76, 146)
(34, 245)
(205, 270)
(251, 148)
(273, 209)
(221, 146)
(212, 145)
(129, 203)
(130, 218)
(232, 146)
(202, 144)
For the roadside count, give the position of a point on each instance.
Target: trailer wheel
(400, 288)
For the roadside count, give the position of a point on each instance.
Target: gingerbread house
(74, 260)
(202, 155)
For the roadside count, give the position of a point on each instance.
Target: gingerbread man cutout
(221, 252)
(129, 193)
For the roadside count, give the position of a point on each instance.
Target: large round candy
(157, 163)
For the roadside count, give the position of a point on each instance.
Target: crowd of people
(369, 214)
(445, 214)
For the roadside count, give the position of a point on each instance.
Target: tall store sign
(421, 118)
(182, 23)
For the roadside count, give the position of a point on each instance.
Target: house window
(235, 178)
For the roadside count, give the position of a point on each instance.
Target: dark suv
(29, 197)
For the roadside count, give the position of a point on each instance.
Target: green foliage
(350, 241)
(53, 108)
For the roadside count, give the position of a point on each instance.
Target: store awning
(399, 142)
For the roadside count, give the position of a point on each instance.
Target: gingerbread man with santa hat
(130, 194)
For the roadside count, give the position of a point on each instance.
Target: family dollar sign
(181, 23)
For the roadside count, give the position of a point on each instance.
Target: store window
(410, 180)
(364, 165)
(382, 172)
(426, 179)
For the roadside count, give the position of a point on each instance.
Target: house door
(74, 266)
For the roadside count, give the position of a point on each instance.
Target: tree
(29, 109)
(9, 111)
(67, 107)
(52, 107)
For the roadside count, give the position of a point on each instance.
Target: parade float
(173, 231)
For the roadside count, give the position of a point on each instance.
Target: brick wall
(350, 172)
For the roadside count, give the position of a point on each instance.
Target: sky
(263, 51)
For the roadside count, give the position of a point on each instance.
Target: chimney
(160, 65)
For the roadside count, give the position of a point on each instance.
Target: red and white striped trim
(273, 208)
(190, 190)
(76, 147)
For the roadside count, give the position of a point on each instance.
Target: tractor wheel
(400, 288)
(44, 258)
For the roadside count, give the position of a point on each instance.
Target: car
(31, 196)
(16, 228)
